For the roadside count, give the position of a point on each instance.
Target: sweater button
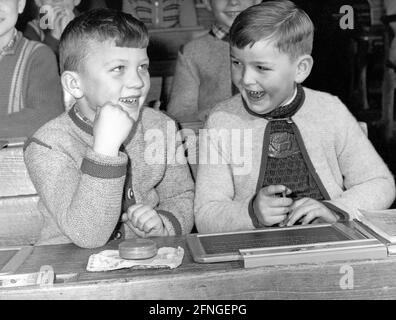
(130, 193)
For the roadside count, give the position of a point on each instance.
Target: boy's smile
(264, 75)
(114, 74)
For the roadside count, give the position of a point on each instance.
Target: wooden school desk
(371, 279)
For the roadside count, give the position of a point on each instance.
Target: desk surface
(371, 279)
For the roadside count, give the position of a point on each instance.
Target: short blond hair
(98, 25)
(288, 26)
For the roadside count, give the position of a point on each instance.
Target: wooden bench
(20, 220)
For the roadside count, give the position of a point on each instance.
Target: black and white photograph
(197, 155)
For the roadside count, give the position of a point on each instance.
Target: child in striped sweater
(96, 167)
(30, 89)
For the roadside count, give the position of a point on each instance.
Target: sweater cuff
(252, 214)
(172, 220)
(104, 167)
(343, 215)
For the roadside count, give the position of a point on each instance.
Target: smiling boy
(89, 164)
(306, 146)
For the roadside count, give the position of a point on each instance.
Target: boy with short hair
(95, 162)
(202, 76)
(30, 89)
(310, 161)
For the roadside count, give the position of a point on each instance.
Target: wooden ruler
(44, 278)
(17, 260)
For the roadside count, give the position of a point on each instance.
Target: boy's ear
(207, 4)
(304, 67)
(72, 84)
(77, 2)
(21, 6)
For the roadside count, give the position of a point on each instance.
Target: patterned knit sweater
(81, 192)
(202, 78)
(347, 169)
(30, 89)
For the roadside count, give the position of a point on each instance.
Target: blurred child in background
(52, 17)
(203, 71)
(30, 88)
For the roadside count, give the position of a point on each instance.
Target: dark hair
(99, 25)
(288, 26)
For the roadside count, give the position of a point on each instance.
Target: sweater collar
(282, 112)
(80, 120)
(86, 125)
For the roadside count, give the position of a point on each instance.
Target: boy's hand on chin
(144, 221)
(111, 127)
(307, 210)
(269, 207)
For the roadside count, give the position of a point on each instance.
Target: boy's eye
(262, 68)
(118, 69)
(235, 62)
(144, 67)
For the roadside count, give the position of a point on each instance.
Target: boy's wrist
(109, 151)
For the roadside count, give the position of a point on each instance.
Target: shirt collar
(80, 120)
(292, 98)
(10, 47)
(219, 32)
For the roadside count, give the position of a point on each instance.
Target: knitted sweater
(345, 165)
(30, 88)
(81, 191)
(202, 78)
(34, 32)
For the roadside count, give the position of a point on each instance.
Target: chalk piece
(137, 249)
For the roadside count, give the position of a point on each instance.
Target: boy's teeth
(233, 13)
(128, 100)
(256, 94)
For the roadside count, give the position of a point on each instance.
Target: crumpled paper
(167, 257)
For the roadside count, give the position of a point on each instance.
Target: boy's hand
(60, 19)
(271, 208)
(144, 221)
(308, 210)
(111, 127)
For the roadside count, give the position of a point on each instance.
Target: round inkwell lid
(137, 249)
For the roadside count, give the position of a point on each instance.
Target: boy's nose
(247, 77)
(134, 81)
(234, 2)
